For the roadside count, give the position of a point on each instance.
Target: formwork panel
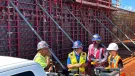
(17, 39)
(124, 19)
(4, 31)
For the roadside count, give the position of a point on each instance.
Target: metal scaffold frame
(18, 40)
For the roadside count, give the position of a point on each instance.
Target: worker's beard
(95, 43)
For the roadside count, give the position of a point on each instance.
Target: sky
(127, 4)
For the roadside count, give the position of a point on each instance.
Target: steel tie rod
(23, 17)
(44, 10)
(118, 28)
(125, 25)
(81, 23)
(110, 31)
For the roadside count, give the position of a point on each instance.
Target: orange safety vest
(114, 63)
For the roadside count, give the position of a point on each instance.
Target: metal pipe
(50, 50)
(95, 4)
(124, 25)
(81, 23)
(110, 31)
(118, 28)
(55, 22)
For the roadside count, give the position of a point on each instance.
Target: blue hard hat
(96, 37)
(77, 44)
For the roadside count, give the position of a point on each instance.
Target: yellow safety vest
(41, 60)
(114, 62)
(81, 61)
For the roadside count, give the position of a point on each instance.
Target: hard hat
(113, 46)
(96, 37)
(42, 44)
(77, 44)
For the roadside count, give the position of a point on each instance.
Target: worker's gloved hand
(107, 68)
(94, 62)
(50, 69)
(65, 72)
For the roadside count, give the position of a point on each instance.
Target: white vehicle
(10, 66)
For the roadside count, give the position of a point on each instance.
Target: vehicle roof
(7, 63)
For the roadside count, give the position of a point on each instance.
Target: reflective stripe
(100, 53)
(41, 60)
(109, 61)
(97, 54)
(114, 61)
(81, 61)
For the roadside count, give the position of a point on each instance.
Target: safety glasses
(96, 41)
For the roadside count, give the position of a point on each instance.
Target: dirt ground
(129, 62)
(129, 67)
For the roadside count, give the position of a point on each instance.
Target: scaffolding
(125, 21)
(16, 39)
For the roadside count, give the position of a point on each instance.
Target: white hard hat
(113, 46)
(42, 44)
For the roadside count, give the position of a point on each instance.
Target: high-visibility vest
(82, 60)
(41, 60)
(114, 62)
(97, 54)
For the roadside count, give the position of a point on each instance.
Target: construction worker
(77, 59)
(114, 59)
(43, 56)
(97, 54)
